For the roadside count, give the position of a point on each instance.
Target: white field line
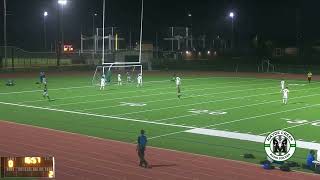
(126, 92)
(189, 96)
(239, 107)
(247, 137)
(95, 115)
(205, 102)
(243, 119)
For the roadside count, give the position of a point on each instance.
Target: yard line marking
(191, 96)
(57, 89)
(238, 107)
(95, 115)
(205, 102)
(144, 90)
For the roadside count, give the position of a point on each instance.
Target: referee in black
(141, 147)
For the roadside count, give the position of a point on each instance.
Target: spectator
(310, 159)
(141, 147)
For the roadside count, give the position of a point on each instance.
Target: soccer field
(232, 106)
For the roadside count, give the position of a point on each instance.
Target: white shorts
(119, 80)
(285, 97)
(45, 94)
(103, 84)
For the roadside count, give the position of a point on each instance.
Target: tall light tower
(94, 15)
(5, 30)
(45, 14)
(62, 3)
(232, 15)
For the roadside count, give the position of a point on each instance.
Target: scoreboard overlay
(42, 167)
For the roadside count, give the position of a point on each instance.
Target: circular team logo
(280, 145)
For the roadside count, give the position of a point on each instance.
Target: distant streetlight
(232, 15)
(45, 14)
(189, 14)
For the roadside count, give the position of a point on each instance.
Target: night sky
(271, 19)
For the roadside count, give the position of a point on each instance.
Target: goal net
(128, 73)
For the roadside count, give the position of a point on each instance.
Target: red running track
(82, 157)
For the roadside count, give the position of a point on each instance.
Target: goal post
(129, 73)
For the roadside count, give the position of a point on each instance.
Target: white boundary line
(95, 115)
(248, 137)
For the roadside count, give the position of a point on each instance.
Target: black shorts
(309, 78)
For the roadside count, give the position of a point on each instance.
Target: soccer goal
(128, 73)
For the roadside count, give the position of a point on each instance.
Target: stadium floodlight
(208, 52)
(231, 14)
(62, 2)
(45, 14)
(189, 14)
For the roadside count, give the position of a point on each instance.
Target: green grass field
(245, 105)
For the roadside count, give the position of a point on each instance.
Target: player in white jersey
(282, 83)
(139, 80)
(178, 84)
(102, 82)
(119, 79)
(285, 93)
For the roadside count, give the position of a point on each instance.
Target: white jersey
(282, 84)
(139, 79)
(178, 81)
(119, 77)
(285, 93)
(103, 82)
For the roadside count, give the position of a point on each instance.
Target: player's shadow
(162, 165)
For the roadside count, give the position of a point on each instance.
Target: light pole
(93, 23)
(62, 3)
(231, 15)
(190, 19)
(45, 14)
(5, 31)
